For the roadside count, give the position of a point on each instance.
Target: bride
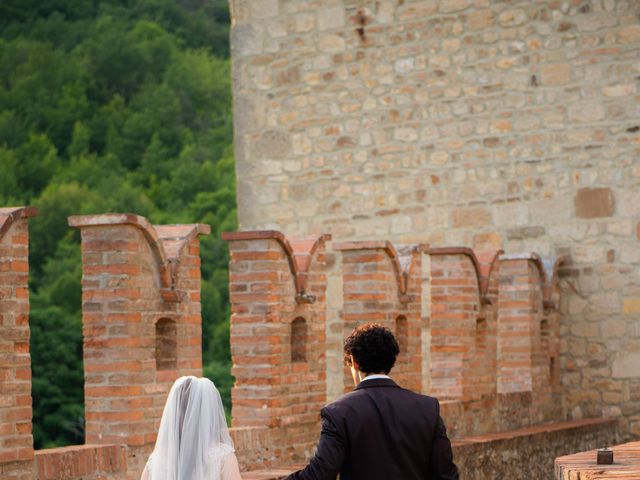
(193, 441)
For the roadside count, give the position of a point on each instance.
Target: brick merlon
(9, 215)
(401, 257)
(483, 269)
(167, 242)
(548, 268)
(298, 251)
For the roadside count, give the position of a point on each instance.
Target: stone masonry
(481, 123)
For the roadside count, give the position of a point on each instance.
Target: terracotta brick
(146, 273)
(16, 442)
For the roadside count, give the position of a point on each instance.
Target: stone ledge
(536, 430)
(531, 449)
(503, 454)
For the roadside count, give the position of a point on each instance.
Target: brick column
(516, 313)
(141, 324)
(462, 298)
(278, 308)
(455, 310)
(383, 284)
(528, 341)
(16, 440)
(484, 363)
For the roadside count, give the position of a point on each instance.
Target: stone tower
(479, 123)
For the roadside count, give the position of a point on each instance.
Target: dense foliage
(112, 106)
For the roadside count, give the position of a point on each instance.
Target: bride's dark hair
(374, 348)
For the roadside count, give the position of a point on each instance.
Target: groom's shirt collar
(372, 377)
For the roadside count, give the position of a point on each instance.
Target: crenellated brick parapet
(528, 334)
(381, 283)
(141, 324)
(480, 330)
(16, 441)
(460, 295)
(278, 309)
(477, 329)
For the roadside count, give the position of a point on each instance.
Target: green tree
(113, 105)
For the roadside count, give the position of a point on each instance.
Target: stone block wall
(459, 122)
(16, 441)
(141, 324)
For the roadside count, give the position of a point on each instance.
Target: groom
(379, 431)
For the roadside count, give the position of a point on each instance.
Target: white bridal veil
(193, 438)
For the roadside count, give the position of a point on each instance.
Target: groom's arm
(441, 466)
(330, 454)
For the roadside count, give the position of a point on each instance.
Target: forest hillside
(112, 106)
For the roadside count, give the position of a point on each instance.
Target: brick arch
(10, 215)
(483, 269)
(402, 259)
(298, 251)
(166, 242)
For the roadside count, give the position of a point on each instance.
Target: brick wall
(477, 330)
(141, 330)
(141, 325)
(16, 441)
(382, 284)
(277, 294)
(82, 462)
(449, 121)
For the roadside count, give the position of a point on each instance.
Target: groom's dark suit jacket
(381, 432)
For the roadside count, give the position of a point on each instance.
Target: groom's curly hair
(374, 348)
